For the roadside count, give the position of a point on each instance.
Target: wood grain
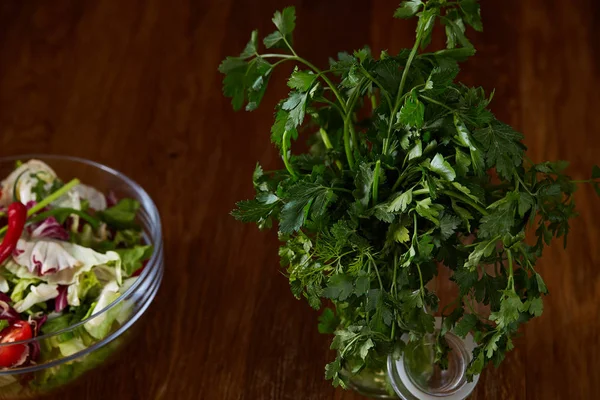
(133, 84)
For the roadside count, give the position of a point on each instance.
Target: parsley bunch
(407, 171)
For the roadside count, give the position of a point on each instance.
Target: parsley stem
(466, 200)
(411, 57)
(393, 290)
(345, 191)
(524, 185)
(414, 240)
(351, 116)
(373, 103)
(399, 96)
(400, 179)
(429, 99)
(325, 78)
(420, 191)
(376, 272)
(289, 46)
(376, 181)
(353, 136)
(347, 147)
(329, 146)
(422, 289)
(331, 103)
(350, 343)
(52, 197)
(367, 298)
(311, 66)
(285, 155)
(349, 133)
(376, 82)
(325, 138)
(274, 55)
(511, 280)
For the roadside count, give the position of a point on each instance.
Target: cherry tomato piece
(17, 331)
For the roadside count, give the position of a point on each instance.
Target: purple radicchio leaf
(61, 300)
(111, 199)
(34, 351)
(45, 256)
(50, 228)
(34, 347)
(7, 312)
(4, 297)
(37, 323)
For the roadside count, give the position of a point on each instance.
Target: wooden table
(134, 84)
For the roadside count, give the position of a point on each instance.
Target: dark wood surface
(133, 84)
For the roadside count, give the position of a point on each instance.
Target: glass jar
(415, 376)
(372, 383)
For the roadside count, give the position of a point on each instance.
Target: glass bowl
(52, 370)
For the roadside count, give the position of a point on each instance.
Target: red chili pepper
(17, 214)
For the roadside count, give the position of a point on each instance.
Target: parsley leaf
(472, 13)
(465, 325)
(503, 147)
(448, 225)
(252, 46)
(428, 210)
(510, 308)
(340, 287)
(364, 183)
(535, 306)
(502, 219)
(302, 194)
(296, 106)
(442, 167)
(525, 203)
(285, 21)
(301, 80)
(412, 112)
(465, 279)
(328, 322)
(401, 202)
(408, 9)
(332, 371)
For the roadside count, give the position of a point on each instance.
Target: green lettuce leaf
(22, 286)
(100, 326)
(122, 215)
(38, 294)
(132, 259)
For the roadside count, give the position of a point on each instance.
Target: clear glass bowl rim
(155, 233)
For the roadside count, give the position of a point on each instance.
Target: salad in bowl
(73, 274)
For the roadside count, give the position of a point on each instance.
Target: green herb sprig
(406, 168)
